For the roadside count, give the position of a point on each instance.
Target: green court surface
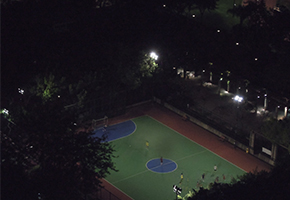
(138, 182)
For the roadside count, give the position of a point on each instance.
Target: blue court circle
(116, 131)
(156, 166)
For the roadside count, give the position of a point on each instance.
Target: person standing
(216, 179)
(161, 160)
(147, 144)
(202, 176)
(214, 167)
(181, 178)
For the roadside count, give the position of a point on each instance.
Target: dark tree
(44, 143)
(203, 5)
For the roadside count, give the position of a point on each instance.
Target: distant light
(174, 67)
(256, 59)
(21, 91)
(265, 95)
(258, 97)
(58, 96)
(238, 98)
(218, 30)
(203, 70)
(235, 4)
(5, 111)
(237, 43)
(164, 5)
(75, 124)
(153, 55)
(221, 79)
(193, 16)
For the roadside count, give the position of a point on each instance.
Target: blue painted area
(116, 131)
(167, 166)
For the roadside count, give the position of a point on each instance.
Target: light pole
(265, 102)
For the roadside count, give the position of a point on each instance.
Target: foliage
(253, 185)
(277, 131)
(243, 12)
(148, 66)
(56, 156)
(203, 5)
(186, 5)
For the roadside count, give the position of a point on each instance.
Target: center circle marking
(167, 166)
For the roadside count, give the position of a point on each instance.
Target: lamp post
(265, 102)
(238, 99)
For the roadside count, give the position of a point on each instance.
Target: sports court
(141, 175)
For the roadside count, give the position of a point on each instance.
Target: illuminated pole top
(154, 55)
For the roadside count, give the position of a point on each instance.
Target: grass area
(133, 177)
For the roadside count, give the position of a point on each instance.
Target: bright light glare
(5, 111)
(154, 55)
(21, 91)
(238, 98)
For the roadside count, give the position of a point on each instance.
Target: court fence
(245, 139)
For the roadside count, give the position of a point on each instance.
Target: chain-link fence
(235, 130)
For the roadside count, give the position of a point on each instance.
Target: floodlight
(21, 91)
(5, 111)
(154, 55)
(238, 98)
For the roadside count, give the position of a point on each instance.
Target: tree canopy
(43, 143)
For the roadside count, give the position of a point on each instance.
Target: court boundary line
(148, 170)
(118, 188)
(196, 143)
(126, 135)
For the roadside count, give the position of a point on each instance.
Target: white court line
(196, 143)
(148, 170)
